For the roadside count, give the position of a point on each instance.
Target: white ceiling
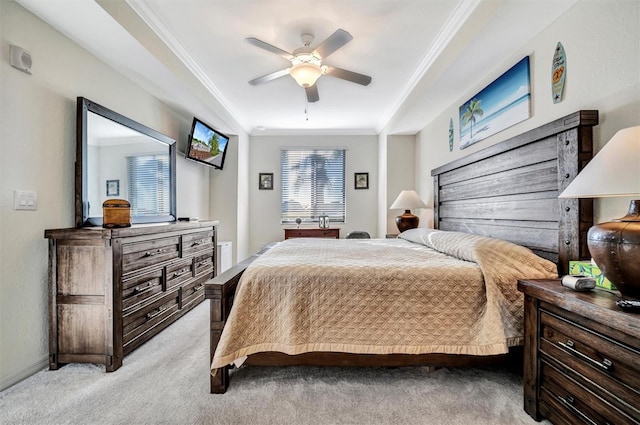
(421, 55)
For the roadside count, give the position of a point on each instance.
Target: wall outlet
(25, 200)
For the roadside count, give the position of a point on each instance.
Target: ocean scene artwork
(503, 103)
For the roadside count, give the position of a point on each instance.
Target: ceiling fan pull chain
(306, 107)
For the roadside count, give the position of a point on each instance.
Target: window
(313, 184)
(148, 184)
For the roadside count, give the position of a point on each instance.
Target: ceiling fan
(306, 63)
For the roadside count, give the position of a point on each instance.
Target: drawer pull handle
(152, 314)
(152, 253)
(203, 263)
(143, 287)
(568, 403)
(196, 243)
(606, 364)
(180, 272)
(197, 288)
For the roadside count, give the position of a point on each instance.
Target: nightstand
(311, 232)
(581, 356)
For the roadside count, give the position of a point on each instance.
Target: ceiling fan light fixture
(306, 74)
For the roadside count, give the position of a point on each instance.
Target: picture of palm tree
(472, 110)
(503, 103)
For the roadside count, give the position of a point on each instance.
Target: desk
(312, 233)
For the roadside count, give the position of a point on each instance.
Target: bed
(365, 303)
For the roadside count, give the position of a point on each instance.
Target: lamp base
(407, 221)
(615, 247)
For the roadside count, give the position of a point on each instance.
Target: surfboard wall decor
(450, 134)
(558, 73)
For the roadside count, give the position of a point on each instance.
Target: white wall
(224, 195)
(401, 164)
(602, 44)
(37, 137)
(361, 205)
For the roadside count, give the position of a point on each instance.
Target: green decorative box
(588, 269)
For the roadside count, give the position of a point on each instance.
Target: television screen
(206, 145)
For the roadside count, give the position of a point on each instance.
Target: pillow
(419, 235)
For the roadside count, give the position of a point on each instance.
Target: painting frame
(361, 181)
(506, 102)
(113, 187)
(265, 181)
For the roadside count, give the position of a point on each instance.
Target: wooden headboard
(510, 190)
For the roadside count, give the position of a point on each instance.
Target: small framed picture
(265, 181)
(113, 187)
(362, 180)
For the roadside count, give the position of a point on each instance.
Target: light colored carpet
(166, 382)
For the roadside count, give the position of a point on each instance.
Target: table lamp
(405, 201)
(615, 245)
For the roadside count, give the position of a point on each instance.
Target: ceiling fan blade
(354, 77)
(269, 77)
(312, 93)
(268, 47)
(335, 41)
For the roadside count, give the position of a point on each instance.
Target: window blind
(148, 184)
(313, 184)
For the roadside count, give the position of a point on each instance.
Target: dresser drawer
(196, 242)
(203, 264)
(139, 288)
(136, 256)
(596, 357)
(178, 273)
(575, 401)
(191, 293)
(142, 320)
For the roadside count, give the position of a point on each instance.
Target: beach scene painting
(503, 103)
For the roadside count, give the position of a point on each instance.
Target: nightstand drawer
(576, 402)
(581, 356)
(598, 358)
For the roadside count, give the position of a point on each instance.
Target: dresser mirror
(118, 158)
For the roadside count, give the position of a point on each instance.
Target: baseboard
(14, 378)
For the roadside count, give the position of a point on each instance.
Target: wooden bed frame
(508, 191)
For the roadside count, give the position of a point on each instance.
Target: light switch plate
(25, 200)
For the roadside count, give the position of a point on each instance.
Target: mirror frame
(84, 106)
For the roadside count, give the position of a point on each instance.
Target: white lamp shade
(306, 74)
(407, 200)
(614, 171)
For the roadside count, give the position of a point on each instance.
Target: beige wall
(602, 44)
(37, 136)
(401, 165)
(264, 211)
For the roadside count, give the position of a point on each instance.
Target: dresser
(310, 232)
(582, 356)
(111, 290)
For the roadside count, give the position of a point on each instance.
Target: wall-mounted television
(207, 145)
